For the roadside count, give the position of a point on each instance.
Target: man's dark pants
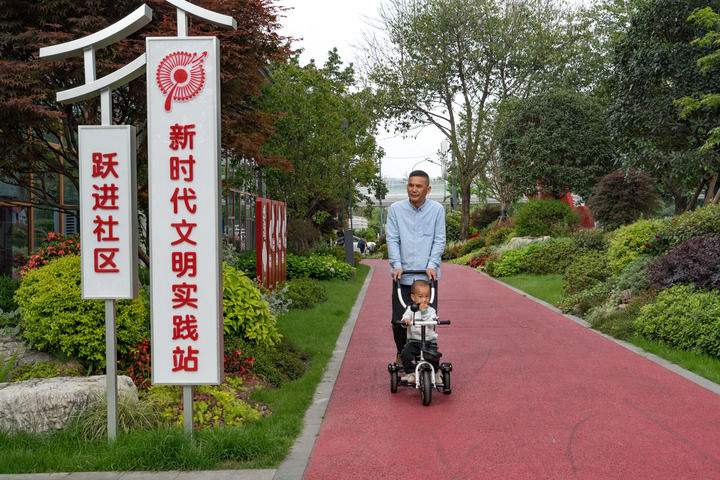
(399, 331)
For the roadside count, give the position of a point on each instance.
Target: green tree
(325, 131)
(443, 63)
(655, 64)
(556, 139)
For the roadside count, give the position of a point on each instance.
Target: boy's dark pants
(412, 350)
(399, 331)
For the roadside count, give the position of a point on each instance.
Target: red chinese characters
(183, 256)
(105, 200)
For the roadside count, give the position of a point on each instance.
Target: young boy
(420, 294)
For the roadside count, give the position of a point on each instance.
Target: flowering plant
(54, 246)
(237, 364)
(136, 364)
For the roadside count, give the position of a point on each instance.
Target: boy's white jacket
(415, 331)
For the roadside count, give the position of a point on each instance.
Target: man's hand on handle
(432, 275)
(430, 272)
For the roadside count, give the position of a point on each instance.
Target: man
(415, 234)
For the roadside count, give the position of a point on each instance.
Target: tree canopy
(556, 139)
(38, 137)
(446, 63)
(654, 65)
(325, 130)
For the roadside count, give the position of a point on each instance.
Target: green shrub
(452, 225)
(244, 311)
(8, 286)
(585, 271)
(683, 317)
(305, 293)
(484, 216)
(512, 261)
(629, 241)
(579, 303)
(688, 225)
(320, 267)
(537, 218)
(695, 261)
(498, 235)
(56, 319)
(246, 262)
(472, 244)
(43, 370)
(10, 319)
(590, 239)
(635, 275)
(552, 256)
(278, 364)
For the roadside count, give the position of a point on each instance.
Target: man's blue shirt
(422, 231)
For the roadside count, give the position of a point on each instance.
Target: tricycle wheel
(426, 387)
(446, 383)
(393, 382)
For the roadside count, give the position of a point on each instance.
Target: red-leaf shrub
(695, 261)
(136, 364)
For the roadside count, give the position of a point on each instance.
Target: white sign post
(108, 205)
(183, 104)
(184, 176)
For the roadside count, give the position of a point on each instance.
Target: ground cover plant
(262, 443)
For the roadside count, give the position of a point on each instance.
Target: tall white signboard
(106, 156)
(183, 102)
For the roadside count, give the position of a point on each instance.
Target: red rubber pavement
(535, 396)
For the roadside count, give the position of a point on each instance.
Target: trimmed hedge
(56, 319)
(553, 256)
(683, 317)
(537, 218)
(585, 271)
(627, 242)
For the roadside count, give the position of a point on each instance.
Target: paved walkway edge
(693, 377)
(293, 467)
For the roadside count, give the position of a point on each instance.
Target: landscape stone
(44, 404)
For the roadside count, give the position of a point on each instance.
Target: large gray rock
(519, 242)
(43, 404)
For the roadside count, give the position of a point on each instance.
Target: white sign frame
(199, 187)
(108, 211)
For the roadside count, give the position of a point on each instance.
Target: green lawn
(544, 287)
(549, 289)
(263, 444)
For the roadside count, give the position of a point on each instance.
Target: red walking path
(535, 396)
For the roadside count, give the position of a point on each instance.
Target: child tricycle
(429, 372)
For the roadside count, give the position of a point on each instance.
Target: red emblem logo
(181, 76)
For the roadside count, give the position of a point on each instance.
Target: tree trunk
(465, 209)
(711, 189)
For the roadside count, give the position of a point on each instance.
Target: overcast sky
(324, 24)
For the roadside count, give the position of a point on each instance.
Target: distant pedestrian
(362, 243)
